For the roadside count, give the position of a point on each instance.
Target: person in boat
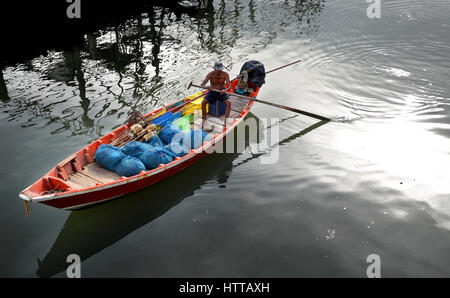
(218, 78)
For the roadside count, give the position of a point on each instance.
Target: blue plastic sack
(167, 133)
(108, 156)
(156, 156)
(129, 166)
(177, 149)
(155, 142)
(135, 149)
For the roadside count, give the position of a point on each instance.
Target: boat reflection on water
(89, 231)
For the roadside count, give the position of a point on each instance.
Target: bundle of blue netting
(192, 139)
(130, 166)
(135, 148)
(155, 141)
(115, 159)
(135, 157)
(109, 157)
(151, 156)
(156, 156)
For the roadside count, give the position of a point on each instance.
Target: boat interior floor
(214, 125)
(91, 175)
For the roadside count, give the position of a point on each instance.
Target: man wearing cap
(218, 78)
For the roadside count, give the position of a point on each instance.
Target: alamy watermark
(73, 11)
(257, 136)
(374, 9)
(374, 269)
(74, 269)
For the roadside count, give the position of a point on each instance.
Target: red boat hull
(79, 198)
(102, 195)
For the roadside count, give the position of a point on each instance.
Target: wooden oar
(150, 118)
(275, 69)
(267, 103)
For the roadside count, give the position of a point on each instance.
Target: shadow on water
(91, 230)
(285, 140)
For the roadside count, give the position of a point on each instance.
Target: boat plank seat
(77, 181)
(97, 172)
(91, 175)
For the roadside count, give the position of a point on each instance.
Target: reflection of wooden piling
(3, 91)
(92, 45)
(79, 72)
(156, 37)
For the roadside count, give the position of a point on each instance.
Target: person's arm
(206, 79)
(227, 81)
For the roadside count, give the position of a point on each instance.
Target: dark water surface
(377, 183)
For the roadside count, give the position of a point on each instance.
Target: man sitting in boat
(218, 78)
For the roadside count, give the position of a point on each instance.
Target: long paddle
(122, 138)
(185, 103)
(275, 69)
(267, 103)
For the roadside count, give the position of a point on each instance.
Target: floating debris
(331, 234)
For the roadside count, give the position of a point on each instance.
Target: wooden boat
(78, 181)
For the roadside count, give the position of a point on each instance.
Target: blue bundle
(135, 149)
(135, 157)
(155, 141)
(108, 156)
(129, 166)
(167, 133)
(192, 139)
(156, 156)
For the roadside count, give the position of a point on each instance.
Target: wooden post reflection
(3, 91)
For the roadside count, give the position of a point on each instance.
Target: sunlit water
(374, 182)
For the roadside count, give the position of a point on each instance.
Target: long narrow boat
(78, 181)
